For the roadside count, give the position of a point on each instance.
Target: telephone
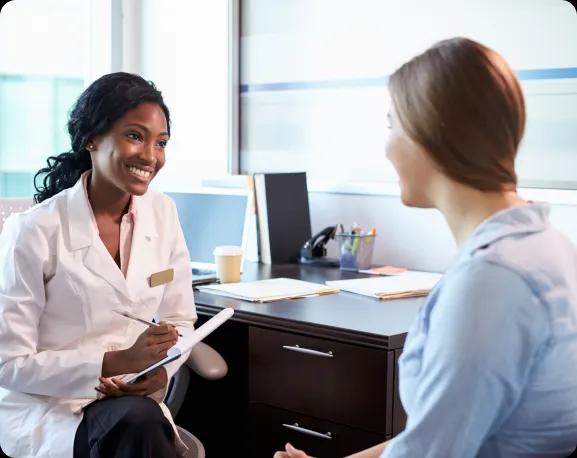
(314, 251)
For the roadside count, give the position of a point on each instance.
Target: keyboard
(198, 271)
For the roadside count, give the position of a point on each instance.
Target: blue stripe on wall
(548, 73)
(524, 75)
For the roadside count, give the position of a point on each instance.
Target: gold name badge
(161, 278)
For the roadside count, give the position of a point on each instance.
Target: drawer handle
(308, 351)
(310, 432)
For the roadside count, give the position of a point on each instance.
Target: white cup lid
(227, 251)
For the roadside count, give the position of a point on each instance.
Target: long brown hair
(462, 102)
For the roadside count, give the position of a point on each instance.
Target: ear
(93, 143)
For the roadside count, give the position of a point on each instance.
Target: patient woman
(86, 250)
(489, 367)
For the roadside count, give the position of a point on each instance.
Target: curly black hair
(103, 103)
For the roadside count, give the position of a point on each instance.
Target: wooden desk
(344, 393)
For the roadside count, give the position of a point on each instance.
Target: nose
(148, 152)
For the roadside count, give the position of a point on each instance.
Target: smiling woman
(86, 250)
(128, 157)
(120, 119)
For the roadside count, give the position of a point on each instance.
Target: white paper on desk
(190, 337)
(273, 289)
(409, 284)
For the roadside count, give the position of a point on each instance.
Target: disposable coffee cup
(227, 260)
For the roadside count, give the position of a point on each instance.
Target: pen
(132, 317)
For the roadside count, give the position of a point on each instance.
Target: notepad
(274, 289)
(190, 338)
(407, 284)
(384, 270)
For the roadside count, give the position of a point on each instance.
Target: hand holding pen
(149, 348)
(140, 320)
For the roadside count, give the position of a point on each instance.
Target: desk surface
(345, 316)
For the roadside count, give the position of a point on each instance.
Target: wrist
(116, 362)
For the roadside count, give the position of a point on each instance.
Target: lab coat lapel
(83, 233)
(141, 263)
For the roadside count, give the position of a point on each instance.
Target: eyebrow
(146, 129)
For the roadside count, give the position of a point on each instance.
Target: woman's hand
(149, 348)
(291, 452)
(152, 382)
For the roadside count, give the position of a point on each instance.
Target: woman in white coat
(88, 248)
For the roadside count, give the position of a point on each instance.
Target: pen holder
(355, 251)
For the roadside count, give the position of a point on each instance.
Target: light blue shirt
(489, 367)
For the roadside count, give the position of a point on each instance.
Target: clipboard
(185, 343)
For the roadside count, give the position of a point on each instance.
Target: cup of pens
(356, 248)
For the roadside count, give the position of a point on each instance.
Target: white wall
(414, 238)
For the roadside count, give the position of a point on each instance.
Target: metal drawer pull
(308, 351)
(310, 432)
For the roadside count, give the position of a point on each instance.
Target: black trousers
(124, 427)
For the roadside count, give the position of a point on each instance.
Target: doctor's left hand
(113, 387)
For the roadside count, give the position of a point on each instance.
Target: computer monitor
(210, 218)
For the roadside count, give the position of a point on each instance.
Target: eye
(163, 143)
(134, 136)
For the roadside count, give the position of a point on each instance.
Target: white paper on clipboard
(186, 342)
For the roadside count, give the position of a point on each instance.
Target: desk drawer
(272, 428)
(343, 383)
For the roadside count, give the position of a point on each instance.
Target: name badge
(161, 278)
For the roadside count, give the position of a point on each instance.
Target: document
(190, 339)
(408, 284)
(274, 289)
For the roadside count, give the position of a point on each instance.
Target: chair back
(195, 447)
(9, 205)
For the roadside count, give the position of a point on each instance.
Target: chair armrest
(207, 362)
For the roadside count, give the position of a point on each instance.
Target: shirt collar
(132, 208)
(524, 219)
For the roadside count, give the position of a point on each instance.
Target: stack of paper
(408, 284)
(271, 290)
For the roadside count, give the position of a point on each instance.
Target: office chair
(203, 360)
(207, 363)
(9, 205)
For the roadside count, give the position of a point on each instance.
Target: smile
(139, 172)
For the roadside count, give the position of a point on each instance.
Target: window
(314, 72)
(42, 62)
(51, 50)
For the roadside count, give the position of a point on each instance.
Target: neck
(465, 208)
(106, 200)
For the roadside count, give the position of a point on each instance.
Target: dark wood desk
(339, 398)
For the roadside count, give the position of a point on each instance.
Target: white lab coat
(58, 287)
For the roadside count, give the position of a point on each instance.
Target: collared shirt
(489, 367)
(126, 230)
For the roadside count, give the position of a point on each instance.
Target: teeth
(139, 172)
